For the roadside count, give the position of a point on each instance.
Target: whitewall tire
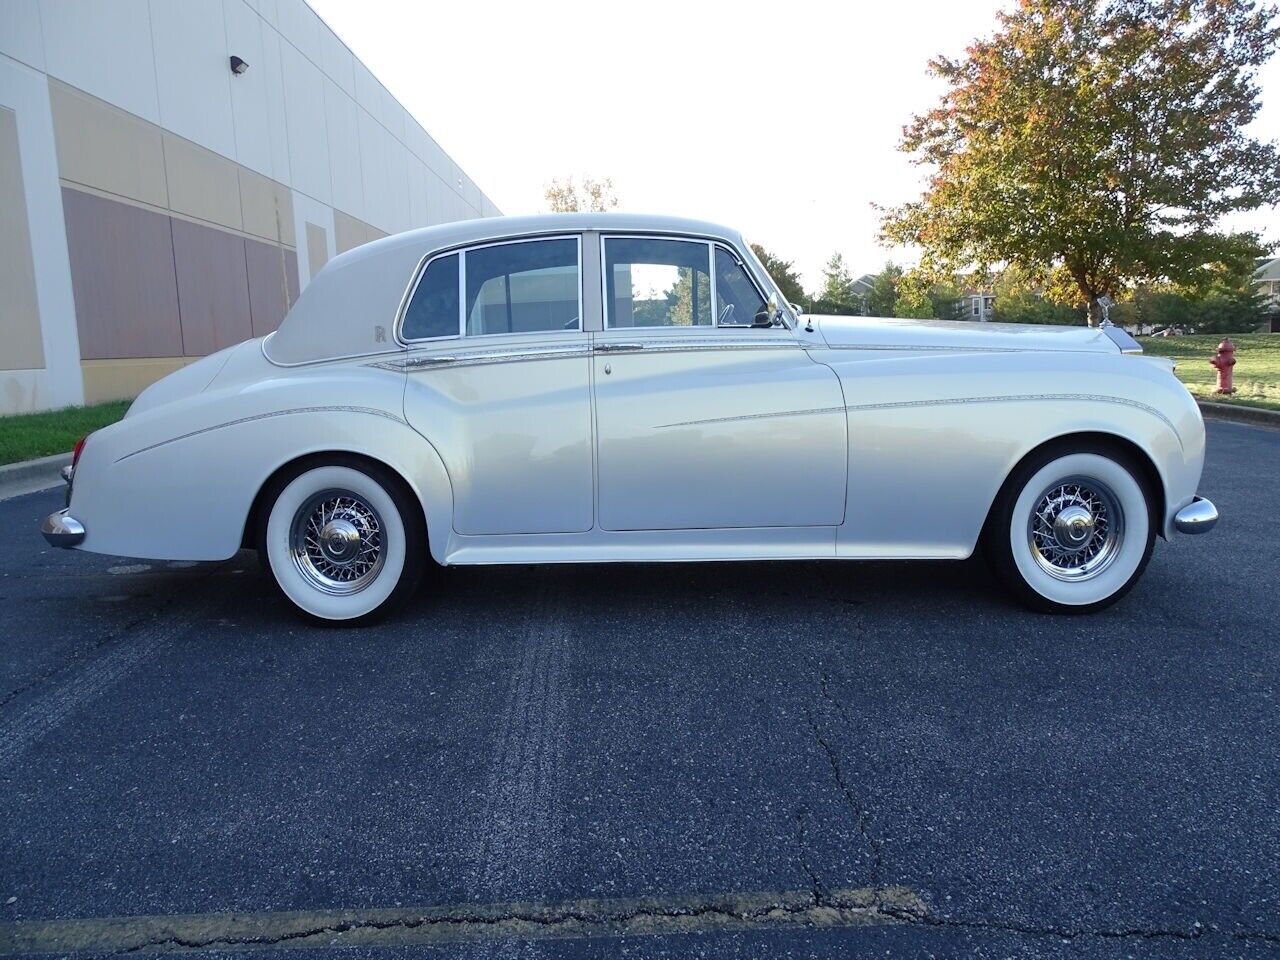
(342, 540)
(1073, 529)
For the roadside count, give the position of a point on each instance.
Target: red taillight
(76, 451)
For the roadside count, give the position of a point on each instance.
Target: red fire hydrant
(1224, 360)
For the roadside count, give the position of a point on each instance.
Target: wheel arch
(427, 487)
(1095, 439)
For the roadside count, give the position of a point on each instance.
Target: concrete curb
(31, 475)
(1240, 413)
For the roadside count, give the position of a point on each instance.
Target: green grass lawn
(1257, 366)
(26, 436)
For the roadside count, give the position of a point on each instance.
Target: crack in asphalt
(861, 817)
(1196, 932)
(583, 919)
(815, 881)
(575, 919)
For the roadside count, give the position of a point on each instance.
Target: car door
(703, 420)
(498, 380)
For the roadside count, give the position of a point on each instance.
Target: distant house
(978, 305)
(861, 289)
(1267, 279)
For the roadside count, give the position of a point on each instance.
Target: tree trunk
(1090, 295)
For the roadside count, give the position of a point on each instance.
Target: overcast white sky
(781, 120)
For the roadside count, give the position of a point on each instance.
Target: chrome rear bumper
(62, 530)
(1198, 516)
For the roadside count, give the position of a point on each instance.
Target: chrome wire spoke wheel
(337, 542)
(1076, 529)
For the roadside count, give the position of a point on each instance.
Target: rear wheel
(1072, 530)
(343, 540)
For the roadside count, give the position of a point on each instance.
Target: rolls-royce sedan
(608, 387)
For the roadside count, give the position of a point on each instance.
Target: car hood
(885, 333)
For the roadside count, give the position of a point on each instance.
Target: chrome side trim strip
(371, 411)
(947, 401)
(933, 348)
(1017, 398)
(813, 412)
(471, 358)
(680, 344)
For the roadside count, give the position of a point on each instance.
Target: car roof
(349, 308)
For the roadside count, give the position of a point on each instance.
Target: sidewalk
(31, 475)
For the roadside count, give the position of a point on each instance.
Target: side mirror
(768, 314)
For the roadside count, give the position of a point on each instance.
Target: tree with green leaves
(1095, 144)
(882, 299)
(567, 196)
(927, 297)
(783, 273)
(837, 284)
(1019, 299)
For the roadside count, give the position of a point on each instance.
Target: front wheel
(342, 540)
(1072, 531)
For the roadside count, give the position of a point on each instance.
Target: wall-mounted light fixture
(238, 66)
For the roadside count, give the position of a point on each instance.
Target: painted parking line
(397, 926)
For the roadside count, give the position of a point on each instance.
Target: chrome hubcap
(1075, 529)
(336, 541)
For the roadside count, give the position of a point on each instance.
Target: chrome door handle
(618, 347)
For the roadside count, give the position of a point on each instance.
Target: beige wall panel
(317, 248)
(20, 339)
(103, 147)
(373, 233)
(124, 379)
(273, 284)
(213, 288)
(291, 274)
(201, 183)
(123, 278)
(267, 207)
(348, 232)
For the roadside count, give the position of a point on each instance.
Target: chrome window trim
(394, 350)
(746, 271)
(462, 250)
(712, 243)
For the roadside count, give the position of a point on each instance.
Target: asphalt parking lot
(805, 759)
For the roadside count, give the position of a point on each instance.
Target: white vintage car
(600, 387)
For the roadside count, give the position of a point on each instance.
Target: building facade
(1266, 279)
(173, 172)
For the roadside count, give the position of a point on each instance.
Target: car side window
(433, 311)
(737, 299)
(523, 287)
(657, 283)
